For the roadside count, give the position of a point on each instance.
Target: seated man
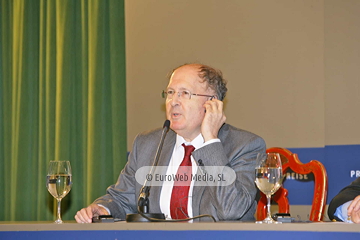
(195, 109)
(345, 206)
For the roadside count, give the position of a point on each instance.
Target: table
(219, 230)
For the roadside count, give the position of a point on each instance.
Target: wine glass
(58, 182)
(268, 178)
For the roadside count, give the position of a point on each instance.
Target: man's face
(186, 115)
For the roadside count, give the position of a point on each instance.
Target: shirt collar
(197, 142)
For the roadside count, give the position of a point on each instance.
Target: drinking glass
(268, 178)
(58, 182)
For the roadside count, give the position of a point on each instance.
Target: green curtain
(62, 97)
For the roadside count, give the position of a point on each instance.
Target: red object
(180, 191)
(291, 161)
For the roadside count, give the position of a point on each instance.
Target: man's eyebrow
(181, 89)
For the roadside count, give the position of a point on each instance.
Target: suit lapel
(164, 160)
(199, 189)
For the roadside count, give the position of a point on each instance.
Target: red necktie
(180, 191)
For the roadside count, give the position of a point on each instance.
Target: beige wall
(342, 72)
(291, 65)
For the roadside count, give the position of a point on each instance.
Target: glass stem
(59, 210)
(268, 197)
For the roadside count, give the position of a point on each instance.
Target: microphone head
(166, 124)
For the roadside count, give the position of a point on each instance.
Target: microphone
(143, 200)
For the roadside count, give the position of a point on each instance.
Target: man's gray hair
(212, 77)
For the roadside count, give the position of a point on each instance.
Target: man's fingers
(355, 217)
(79, 217)
(84, 215)
(354, 206)
(90, 212)
(214, 105)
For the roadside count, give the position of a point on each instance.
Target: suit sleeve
(235, 201)
(346, 194)
(120, 198)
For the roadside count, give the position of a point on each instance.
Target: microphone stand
(143, 200)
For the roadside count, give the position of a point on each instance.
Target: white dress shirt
(175, 161)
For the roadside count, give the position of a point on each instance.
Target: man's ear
(214, 97)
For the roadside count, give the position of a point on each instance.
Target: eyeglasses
(169, 94)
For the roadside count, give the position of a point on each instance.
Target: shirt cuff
(105, 208)
(341, 212)
(210, 141)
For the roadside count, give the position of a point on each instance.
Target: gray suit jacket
(238, 149)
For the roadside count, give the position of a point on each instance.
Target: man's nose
(176, 99)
